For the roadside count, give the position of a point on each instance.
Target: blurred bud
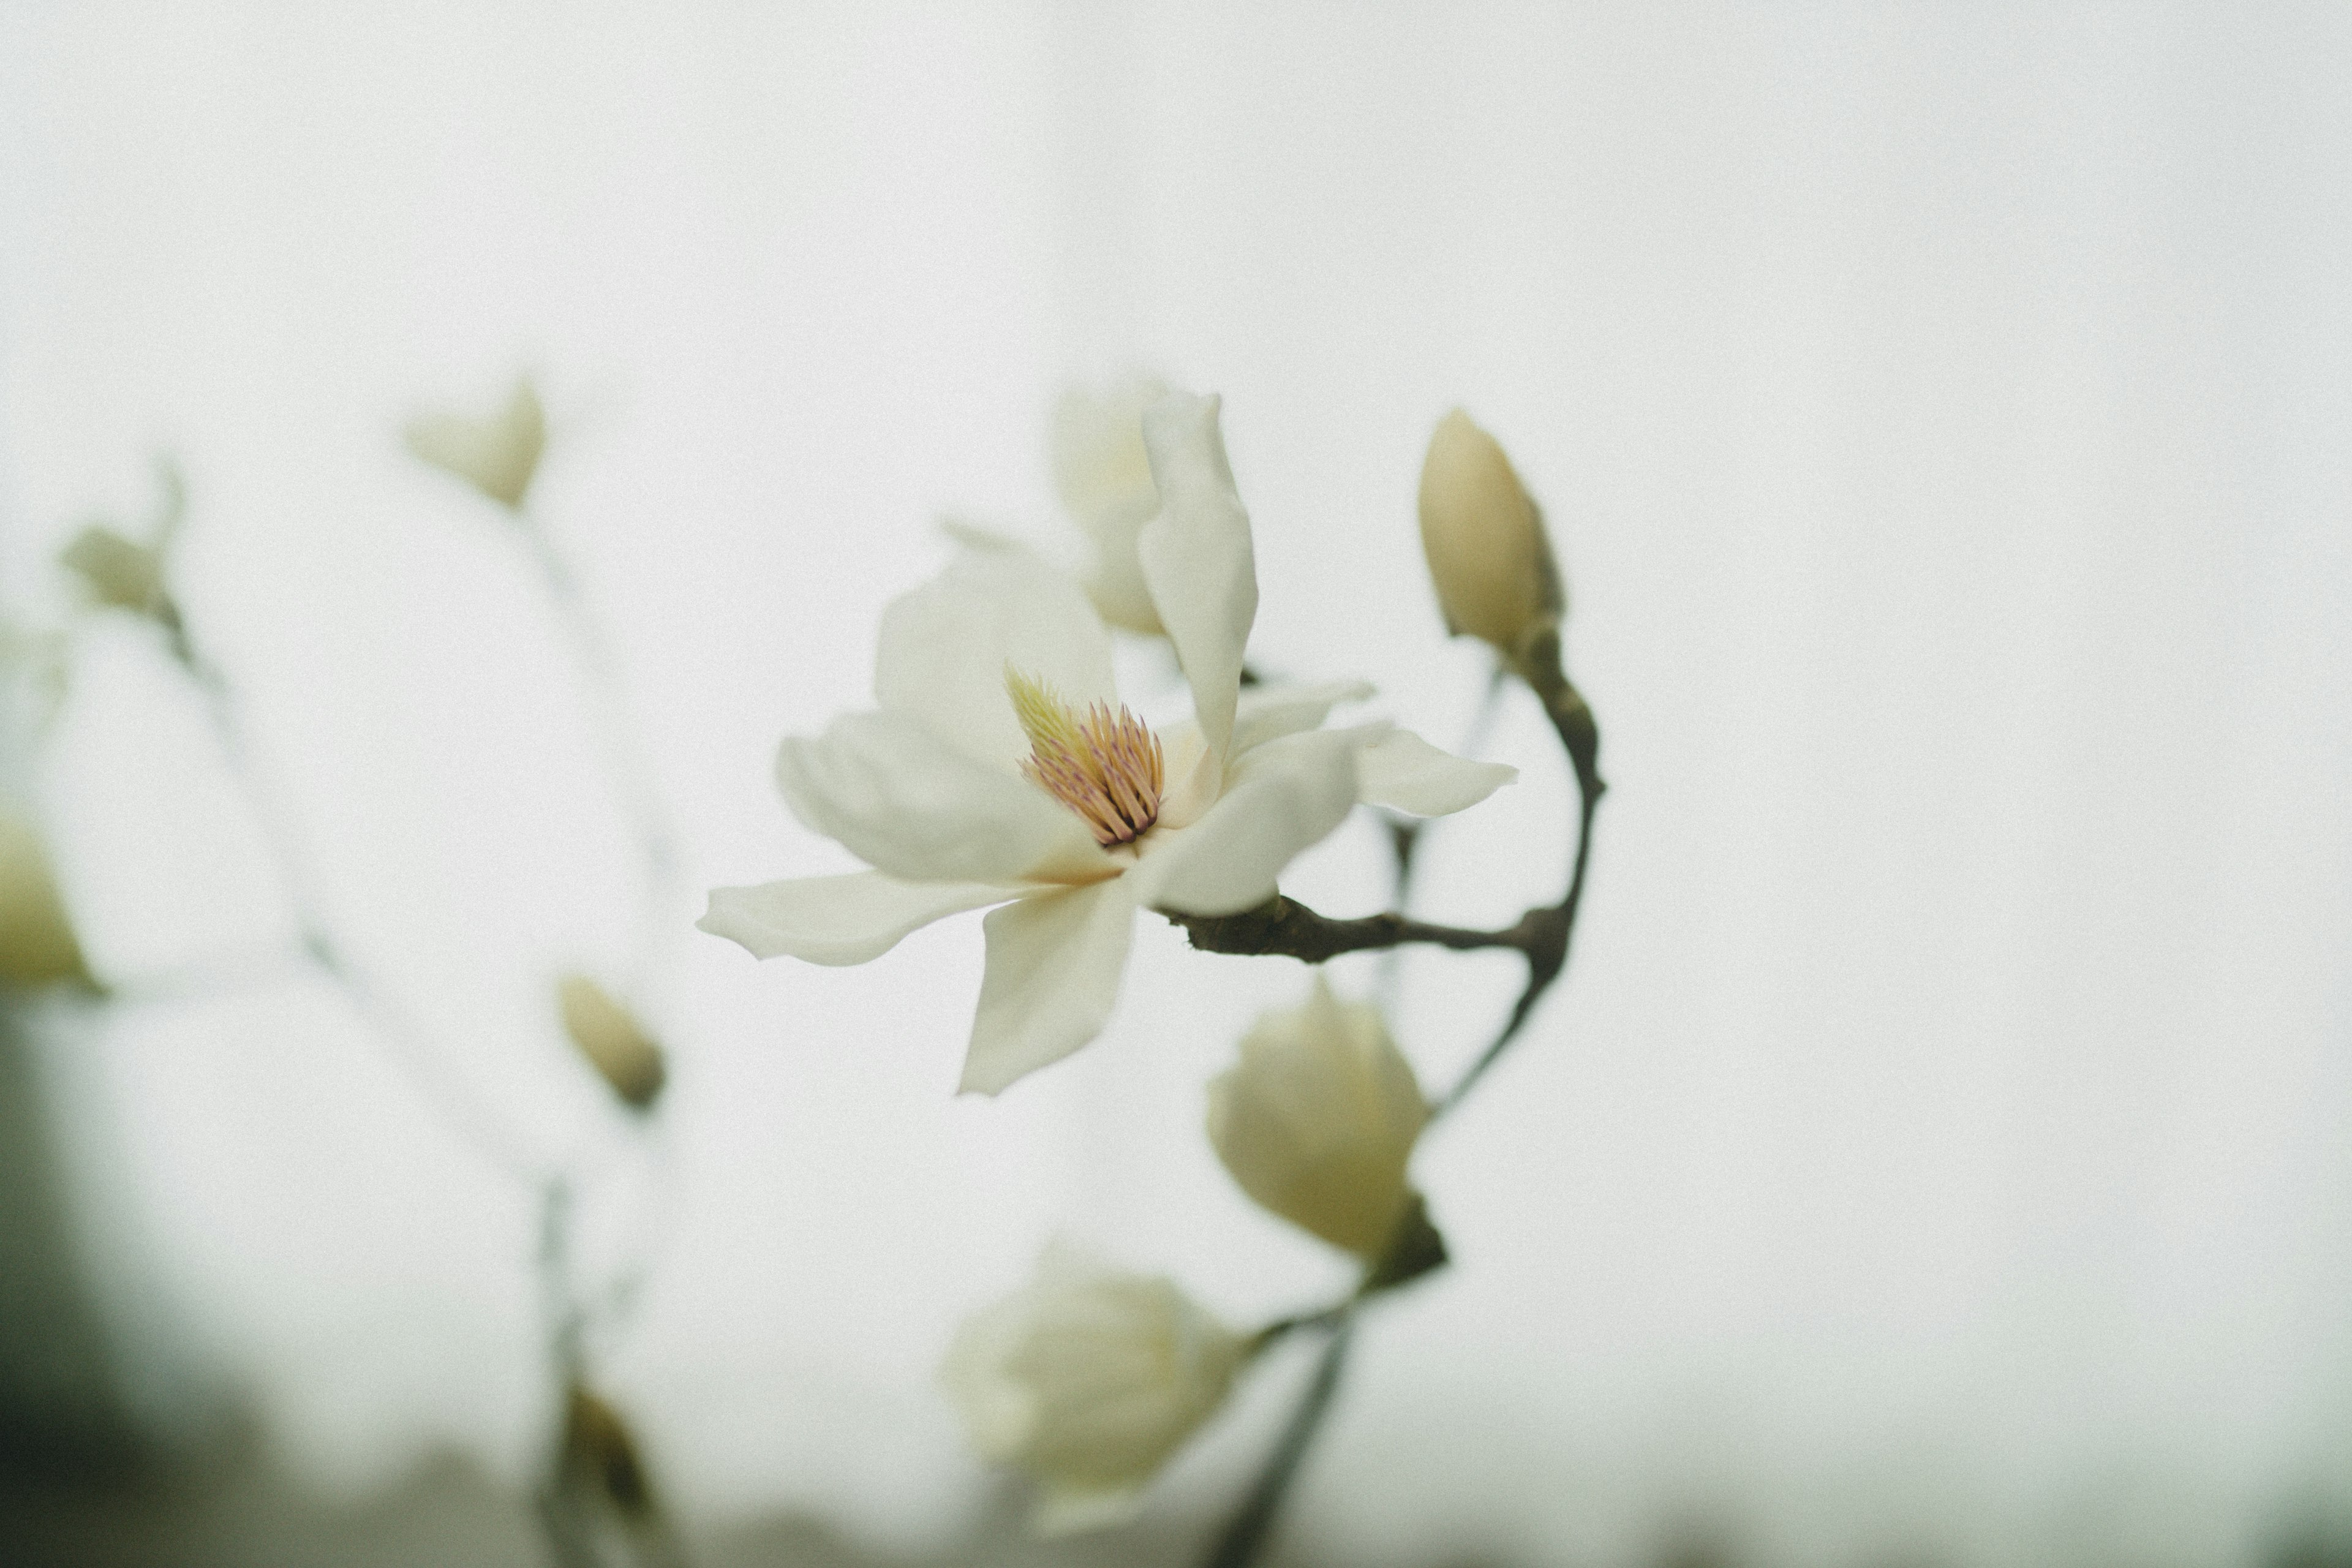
(122, 573)
(498, 455)
(1089, 1379)
(116, 572)
(600, 1456)
(1319, 1119)
(612, 1041)
(37, 946)
(1484, 540)
(1103, 475)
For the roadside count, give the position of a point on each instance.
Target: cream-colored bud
(115, 572)
(1317, 1120)
(1484, 540)
(497, 454)
(37, 946)
(1089, 1379)
(1103, 475)
(611, 1040)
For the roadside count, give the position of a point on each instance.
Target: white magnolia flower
(1317, 1120)
(1104, 474)
(497, 454)
(609, 1038)
(1001, 768)
(1089, 1379)
(37, 947)
(1487, 555)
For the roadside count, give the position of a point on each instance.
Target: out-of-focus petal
(1104, 475)
(1281, 797)
(905, 802)
(837, 920)
(1268, 712)
(1197, 558)
(945, 648)
(1404, 771)
(1054, 963)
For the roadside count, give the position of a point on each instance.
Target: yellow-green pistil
(1103, 764)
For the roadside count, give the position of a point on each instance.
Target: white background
(1942, 414)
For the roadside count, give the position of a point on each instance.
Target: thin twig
(1251, 1523)
(625, 759)
(404, 1039)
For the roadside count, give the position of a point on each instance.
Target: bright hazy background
(1941, 1139)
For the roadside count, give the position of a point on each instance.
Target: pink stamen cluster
(1105, 767)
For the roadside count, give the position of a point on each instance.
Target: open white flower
(1318, 1120)
(1089, 1379)
(1001, 768)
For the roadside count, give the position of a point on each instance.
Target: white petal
(1268, 712)
(1283, 796)
(1197, 559)
(907, 804)
(1405, 771)
(1060, 1509)
(945, 646)
(1105, 476)
(1054, 963)
(837, 920)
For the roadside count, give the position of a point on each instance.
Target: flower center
(1104, 765)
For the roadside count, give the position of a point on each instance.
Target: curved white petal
(1285, 795)
(906, 802)
(837, 920)
(1197, 559)
(1268, 712)
(1104, 475)
(945, 646)
(1405, 771)
(1054, 963)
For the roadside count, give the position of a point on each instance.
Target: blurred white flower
(1103, 471)
(1089, 1379)
(611, 1040)
(37, 946)
(1319, 1119)
(497, 454)
(1001, 769)
(1484, 540)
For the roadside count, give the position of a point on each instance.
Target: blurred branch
(617, 734)
(408, 1043)
(1253, 1521)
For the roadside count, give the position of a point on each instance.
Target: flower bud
(1103, 475)
(497, 454)
(600, 1456)
(1319, 1119)
(1484, 540)
(115, 572)
(612, 1041)
(37, 947)
(1089, 1379)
